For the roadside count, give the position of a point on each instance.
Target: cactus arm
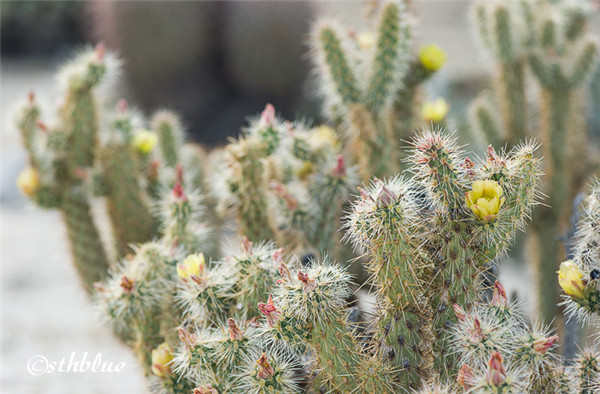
(389, 63)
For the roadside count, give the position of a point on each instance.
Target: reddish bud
(385, 198)
(178, 193)
(270, 311)
(459, 312)
(41, 125)
(188, 339)
(267, 118)
(365, 196)
(234, 331)
(246, 246)
(496, 374)
(542, 345)
(281, 191)
(265, 370)
(309, 285)
(499, 298)
(127, 284)
(476, 333)
(31, 97)
(208, 389)
(122, 105)
(465, 376)
(100, 50)
(99, 287)
(340, 169)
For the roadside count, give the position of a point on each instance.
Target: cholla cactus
(262, 320)
(378, 110)
(428, 244)
(286, 183)
(550, 40)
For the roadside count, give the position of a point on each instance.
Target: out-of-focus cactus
(373, 111)
(549, 40)
(63, 154)
(286, 183)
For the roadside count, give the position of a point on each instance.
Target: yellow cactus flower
(366, 40)
(485, 199)
(144, 141)
(432, 57)
(192, 267)
(435, 111)
(324, 135)
(570, 279)
(161, 357)
(28, 181)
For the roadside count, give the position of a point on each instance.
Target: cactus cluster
(279, 312)
(370, 85)
(546, 45)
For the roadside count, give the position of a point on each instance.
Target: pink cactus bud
(178, 193)
(99, 287)
(246, 246)
(188, 339)
(234, 331)
(496, 374)
(122, 105)
(476, 334)
(365, 196)
(270, 311)
(309, 285)
(265, 370)
(340, 169)
(465, 376)
(207, 389)
(459, 312)
(41, 125)
(100, 50)
(281, 191)
(31, 96)
(277, 256)
(499, 299)
(127, 284)
(267, 118)
(386, 197)
(542, 345)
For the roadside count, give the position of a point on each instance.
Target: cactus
(370, 114)
(278, 313)
(551, 43)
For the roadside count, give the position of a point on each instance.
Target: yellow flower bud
(144, 141)
(485, 199)
(366, 40)
(161, 357)
(432, 57)
(28, 181)
(324, 135)
(570, 279)
(435, 111)
(305, 170)
(192, 267)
